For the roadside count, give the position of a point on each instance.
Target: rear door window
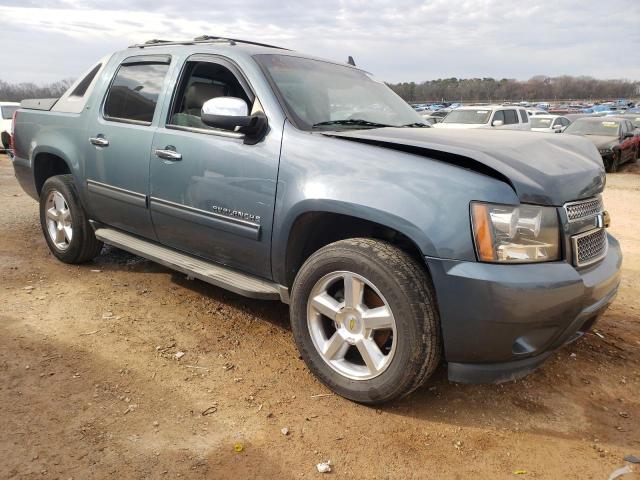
(133, 94)
(510, 117)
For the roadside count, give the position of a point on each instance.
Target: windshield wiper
(355, 122)
(417, 125)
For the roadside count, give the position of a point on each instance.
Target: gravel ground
(91, 386)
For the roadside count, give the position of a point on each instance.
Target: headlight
(515, 234)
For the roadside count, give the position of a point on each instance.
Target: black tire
(84, 245)
(405, 285)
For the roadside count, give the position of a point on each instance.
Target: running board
(220, 276)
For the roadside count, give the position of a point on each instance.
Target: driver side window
(202, 81)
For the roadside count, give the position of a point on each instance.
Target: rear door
(216, 198)
(119, 138)
(511, 121)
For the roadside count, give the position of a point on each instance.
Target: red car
(616, 138)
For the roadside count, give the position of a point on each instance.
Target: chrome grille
(583, 209)
(589, 247)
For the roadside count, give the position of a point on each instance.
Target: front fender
(424, 199)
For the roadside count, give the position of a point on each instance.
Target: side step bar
(218, 275)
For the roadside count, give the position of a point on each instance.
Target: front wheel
(64, 222)
(364, 319)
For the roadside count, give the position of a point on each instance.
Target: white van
(487, 116)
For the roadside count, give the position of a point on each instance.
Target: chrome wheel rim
(351, 325)
(58, 216)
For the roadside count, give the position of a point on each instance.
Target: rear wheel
(64, 222)
(364, 318)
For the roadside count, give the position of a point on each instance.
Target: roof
(204, 39)
(487, 107)
(601, 119)
(548, 116)
(214, 44)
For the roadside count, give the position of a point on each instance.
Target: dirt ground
(90, 386)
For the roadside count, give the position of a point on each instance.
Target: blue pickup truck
(280, 176)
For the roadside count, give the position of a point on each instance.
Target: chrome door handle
(99, 141)
(168, 154)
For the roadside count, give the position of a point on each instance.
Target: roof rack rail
(202, 39)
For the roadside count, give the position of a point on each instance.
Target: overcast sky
(396, 40)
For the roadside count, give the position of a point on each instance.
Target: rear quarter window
(523, 116)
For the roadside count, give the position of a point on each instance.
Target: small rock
(179, 355)
(457, 444)
(573, 355)
(156, 424)
(284, 431)
(324, 467)
(624, 414)
(28, 288)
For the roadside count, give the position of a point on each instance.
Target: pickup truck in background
(280, 176)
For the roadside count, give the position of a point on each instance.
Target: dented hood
(544, 169)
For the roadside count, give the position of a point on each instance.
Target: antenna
(351, 61)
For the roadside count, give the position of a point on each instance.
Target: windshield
(541, 122)
(604, 128)
(7, 111)
(323, 95)
(468, 116)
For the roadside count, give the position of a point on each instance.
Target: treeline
(16, 92)
(536, 88)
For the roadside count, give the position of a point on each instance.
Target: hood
(464, 126)
(602, 141)
(542, 169)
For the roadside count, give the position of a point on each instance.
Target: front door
(119, 139)
(212, 194)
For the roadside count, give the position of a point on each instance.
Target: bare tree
(539, 87)
(16, 92)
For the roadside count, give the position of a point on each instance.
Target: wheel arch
(320, 224)
(46, 165)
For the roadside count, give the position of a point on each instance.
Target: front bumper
(500, 322)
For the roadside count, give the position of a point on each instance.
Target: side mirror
(628, 135)
(497, 123)
(231, 113)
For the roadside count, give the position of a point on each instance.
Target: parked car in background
(634, 118)
(489, 116)
(532, 112)
(549, 123)
(614, 137)
(6, 116)
(435, 117)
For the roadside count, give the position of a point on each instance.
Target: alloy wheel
(59, 222)
(351, 325)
